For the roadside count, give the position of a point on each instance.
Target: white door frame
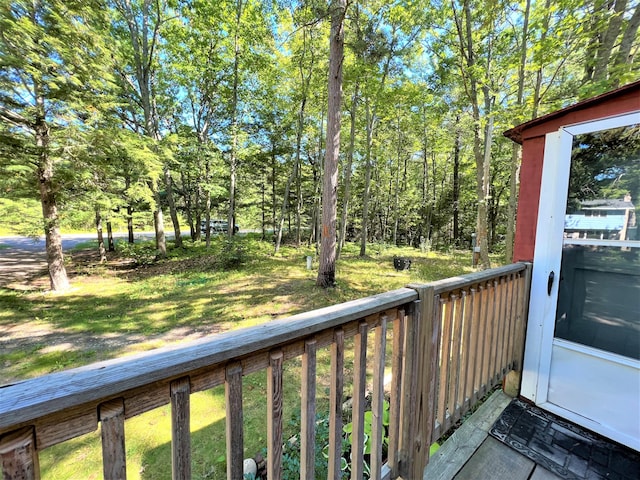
(539, 343)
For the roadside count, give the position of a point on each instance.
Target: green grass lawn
(114, 311)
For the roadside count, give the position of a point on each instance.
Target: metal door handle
(550, 282)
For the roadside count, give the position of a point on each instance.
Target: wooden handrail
(452, 341)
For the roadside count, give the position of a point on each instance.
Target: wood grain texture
(468, 349)
(408, 425)
(234, 425)
(274, 415)
(359, 401)
(181, 429)
(377, 400)
(445, 364)
(308, 412)
(456, 357)
(335, 405)
(496, 461)
(19, 456)
(114, 460)
(395, 392)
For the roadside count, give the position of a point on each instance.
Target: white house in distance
(603, 219)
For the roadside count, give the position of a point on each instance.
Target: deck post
(114, 457)
(181, 429)
(522, 315)
(19, 456)
(423, 335)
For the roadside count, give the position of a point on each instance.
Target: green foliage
(233, 254)
(142, 253)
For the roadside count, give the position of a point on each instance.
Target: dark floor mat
(562, 447)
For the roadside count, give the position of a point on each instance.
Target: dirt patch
(27, 272)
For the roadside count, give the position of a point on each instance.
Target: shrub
(143, 253)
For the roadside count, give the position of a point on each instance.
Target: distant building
(603, 219)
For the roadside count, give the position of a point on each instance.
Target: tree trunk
(347, 172)
(158, 224)
(624, 51)
(514, 174)
(367, 181)
(57, 273)
(605, 47)
(456, 185)
(172, 207)
(111, 246)
(101, 250)
(327, 264)
(233, 160)
(285, 203)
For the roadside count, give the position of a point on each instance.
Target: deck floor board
(495, 461)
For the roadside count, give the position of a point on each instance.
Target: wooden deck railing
(452, 341)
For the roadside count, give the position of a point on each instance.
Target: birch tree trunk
(327, 264)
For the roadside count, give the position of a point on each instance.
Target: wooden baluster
(419, 382)
(335, 407)
(377, 402)
(431, 352)
(274, 415)
(308, 412)
(524, 290)
(500, 328)
(510, 321)
(469, 351)
(456, 359)
(396, 391)
(483, 339)
(19, 456)
(445, 362)
(114, 460)
(476, 345)
(495, 325)
(181, 429)
(359, 385)
(489, 334)
(235, 437)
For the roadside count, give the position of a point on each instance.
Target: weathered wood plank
(359, 386)
(482, 340)
(19, 456)
(377, 401)
(274, 416)
(335, 405)
(445, 364)
(541, 473)
(496, 461)
(459, 447)
(510, 321)
(476, 278)
(234, 426)
(114, 459)
(456, 357)
(408, 425)
(65, 425)
(428, 321)
(308, 412)
(488, 363)
(396, 392)
(181, 429)
(468, 349)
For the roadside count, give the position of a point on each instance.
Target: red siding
(527, 216)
